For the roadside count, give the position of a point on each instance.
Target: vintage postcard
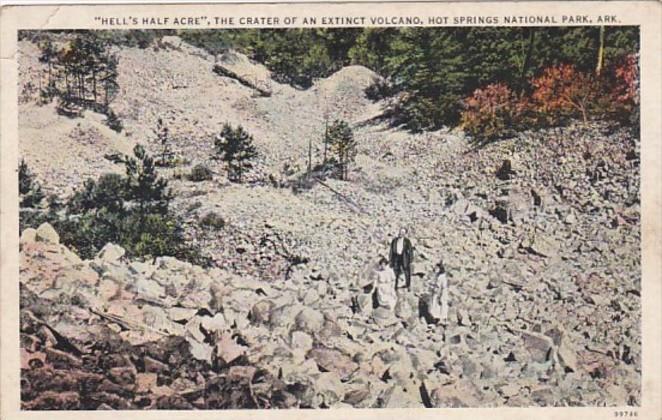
(331, 210)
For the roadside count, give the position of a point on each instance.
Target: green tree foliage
(428, 67)
(296, 56)
(144, 186)
(342, 142)
(234, 146)
(131, 210)
(29, 189)
(429, 70)
(81, 73)
(372, 47)
(48, 56)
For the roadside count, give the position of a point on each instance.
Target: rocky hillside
(539, 233)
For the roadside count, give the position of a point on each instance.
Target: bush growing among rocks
(114, 122)
(212, 220)
(491, 113)
(200, 173)
(28, 187)
(131, 210)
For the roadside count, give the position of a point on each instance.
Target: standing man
(400, 257)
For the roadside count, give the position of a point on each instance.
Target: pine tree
(163, 137)
(145, 187)
(49, 56)
(235, 147)
(428, 66)
(342, 142)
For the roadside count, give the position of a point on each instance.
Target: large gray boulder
(111, 252)
(46, 233)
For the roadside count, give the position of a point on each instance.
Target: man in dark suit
(400, 257)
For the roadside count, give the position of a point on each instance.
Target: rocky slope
(540, 235)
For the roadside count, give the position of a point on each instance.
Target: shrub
(108, 192)
(212, 220)
(379, 89)
(29, 217)
(114, 122)
(626, 75)
(235, 147)
(200, 173)
(492, 112)
(158, 235)
(29, 189)
(562, 92)
(621, 91)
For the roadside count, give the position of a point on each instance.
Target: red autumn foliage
(563, 92)
(559, 94)
(626, 75)
(491, 112)
(621, 87)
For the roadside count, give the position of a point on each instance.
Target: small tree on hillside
(163, 137)
(342, 143)
(235, 147)
(145, 186)
(28, 188)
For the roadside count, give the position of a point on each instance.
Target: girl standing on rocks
(438, 306)
(384, 291)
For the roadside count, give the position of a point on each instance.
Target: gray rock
(301, 341)
(261, 312)
(111, 253)
(541, 244)
(333, 360)
(28, 236)
(328, 388)
(538, 345)
(46, 233)
(309, 320)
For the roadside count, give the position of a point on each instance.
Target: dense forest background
(435, 75)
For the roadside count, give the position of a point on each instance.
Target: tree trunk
(105, 89)
(82, 87)
(310, 156)
(94, 86)
(326, 138)
(50, 80)
(601, 52)
(527, 59)
(342, 166)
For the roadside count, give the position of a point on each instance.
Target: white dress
(438, 306)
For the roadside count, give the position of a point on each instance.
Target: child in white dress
(438, 305)
(385, 292)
